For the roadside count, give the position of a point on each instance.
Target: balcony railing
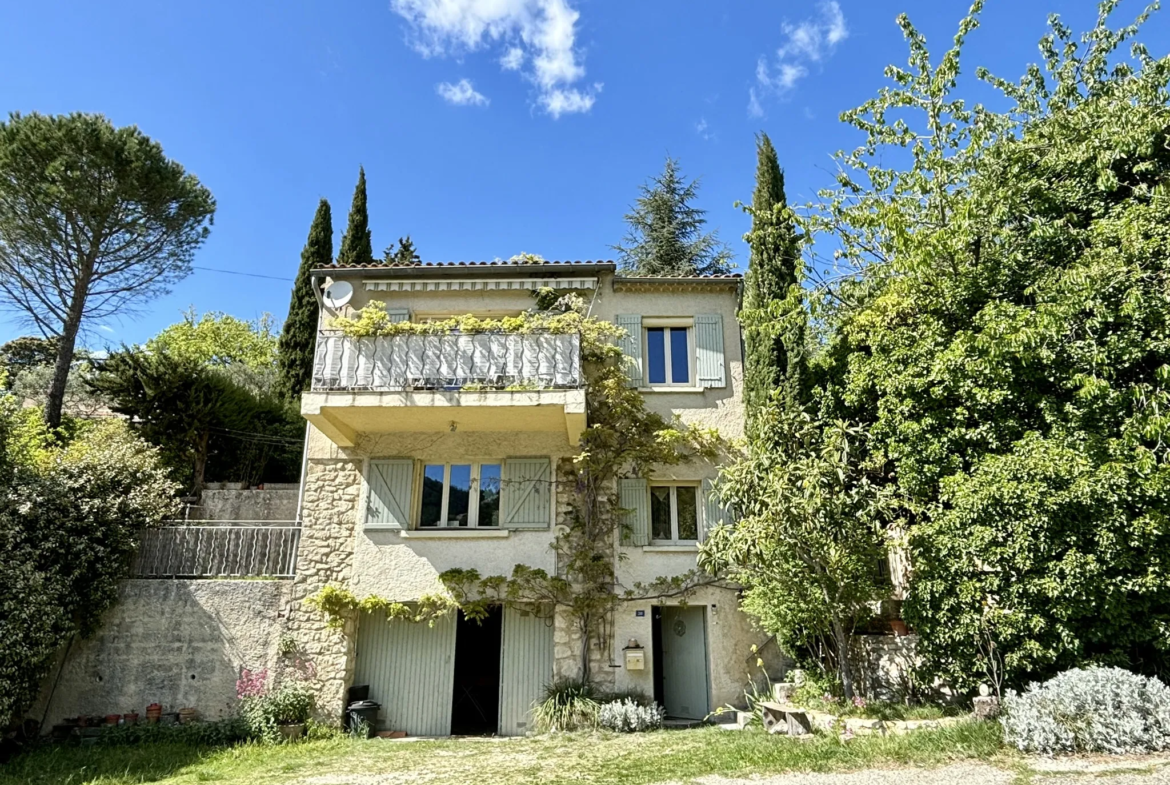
(452, 361)
(217, 550)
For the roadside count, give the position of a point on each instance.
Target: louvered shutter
(634, 498)
(390, 484)
(715, 512)
(709, 350)
(631, 346)
(526, 493)
(398, 314)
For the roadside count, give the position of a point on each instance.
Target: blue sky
(486, 127)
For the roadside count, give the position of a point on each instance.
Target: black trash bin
(360, 712)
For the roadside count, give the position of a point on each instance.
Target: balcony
(446, 382)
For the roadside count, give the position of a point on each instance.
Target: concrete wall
(178, 643)
(250, 505)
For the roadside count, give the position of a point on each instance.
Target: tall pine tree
(772, 347)
(294, 359)
(357, 246)
(666, 235)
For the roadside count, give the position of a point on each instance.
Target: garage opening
(475, 702)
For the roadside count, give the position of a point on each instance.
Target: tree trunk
(69, 330)
(844, 667)
(200, 464)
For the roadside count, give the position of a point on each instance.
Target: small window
(460, 495)
(674, 513)
(668, 355)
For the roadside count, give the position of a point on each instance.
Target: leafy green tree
(219, 339)
(69, 521)
(404, 255)
(94, 221)
(773, 348)
(665, 236)
(298, 339)
(808, 535)
(356, 244)
(1000, 325)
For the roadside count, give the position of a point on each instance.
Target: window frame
(670, 323)
(472, 497)
(674, 486)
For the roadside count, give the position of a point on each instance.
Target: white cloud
(704, 130)
(513, 59)
(461, 93)
(811, 41)
(539, 38)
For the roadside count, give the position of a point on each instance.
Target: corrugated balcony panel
(447, 362)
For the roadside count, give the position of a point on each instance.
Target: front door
(683, 639)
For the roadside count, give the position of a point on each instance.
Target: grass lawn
(578, 758)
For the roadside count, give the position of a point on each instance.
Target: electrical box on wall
(635, 656)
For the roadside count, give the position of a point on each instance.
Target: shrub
(629, 716)
(217, 733)
(568, 704)
(289, 703)
(1094, 710)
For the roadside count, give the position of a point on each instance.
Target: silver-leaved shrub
(628, 716)
(1092, 710)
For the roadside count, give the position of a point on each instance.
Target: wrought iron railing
(224, 549)
(450, 361)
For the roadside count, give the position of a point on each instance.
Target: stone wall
(330, 509)
(178, 643)
(884, 665)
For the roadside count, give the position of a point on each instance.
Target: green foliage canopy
(357, 245)
(69, 518)
(219, 339)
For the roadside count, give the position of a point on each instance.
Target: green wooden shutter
(631, 345)
(634, 497)
(715, 512)
(398, 314)
(709, 350)
(391, 482)
(527, 493)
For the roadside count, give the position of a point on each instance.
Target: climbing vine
(624, 439)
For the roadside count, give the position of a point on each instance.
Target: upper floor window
(674, 513)
(461, 494)
(669, 351)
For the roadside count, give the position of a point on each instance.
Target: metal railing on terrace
(451, 361)
(218, 549)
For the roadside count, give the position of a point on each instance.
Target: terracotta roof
(500, 263)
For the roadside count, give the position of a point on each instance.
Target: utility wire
(237, 272)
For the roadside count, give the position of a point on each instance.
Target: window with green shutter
(709, 354)
(634, 498)
(631, 346)
(527, 493)
(390, 483)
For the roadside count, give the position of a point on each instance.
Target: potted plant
(292, 705)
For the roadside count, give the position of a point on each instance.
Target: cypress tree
(773, 354)
(294, 358)
(406, 254)
(666, 235)
(357, 246)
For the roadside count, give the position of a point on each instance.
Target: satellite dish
(338, 294)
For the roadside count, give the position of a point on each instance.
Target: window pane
(688, 517)
(459, 498)
(660, 513)
(432, 495)
(489, 495)
(680, 357)
(656, 355)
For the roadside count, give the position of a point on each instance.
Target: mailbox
(635, 656)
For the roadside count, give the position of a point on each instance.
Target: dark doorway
(475, 705)
(656, 652)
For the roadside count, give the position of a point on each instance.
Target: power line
(236, 272)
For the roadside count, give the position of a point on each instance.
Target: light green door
(410, 669)
(684, 662)
(526, 668)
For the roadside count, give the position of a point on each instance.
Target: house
(430, 453)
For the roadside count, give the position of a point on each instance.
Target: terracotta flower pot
(292, 732)
(153, 712)
(187, 715)
(899, 627)
(112, 719)
(130, 719)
